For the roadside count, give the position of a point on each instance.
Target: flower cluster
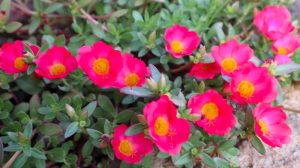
(104, 65)
(246, 85)
(274, 22)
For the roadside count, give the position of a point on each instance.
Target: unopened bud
(151, 83)
(82, 123)
(29, 57)
(162, 81)
(152, 39)
(194, 151)
(70, 111)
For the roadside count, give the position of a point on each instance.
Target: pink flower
(274, 22)
(133, 72)
(12, 57)
(167, 131)
(35, 49)
(270, 125)
(282, 59)
(216, 114)
(286, 45)
(180, 41)
(231, 55)
(252, 85)
(55, 63)
(130, 149)
(205, 71)
(101, 63)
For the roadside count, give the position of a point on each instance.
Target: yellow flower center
(177, 46)
(210, 111)
(126, 148)
(19, 63)
(246, 89)
(57, 69)
(229, 65)
(161, 126)
(263, 126)
(101, 66)
(282, 51)
(132, 79)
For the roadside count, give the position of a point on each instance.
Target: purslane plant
(228, 95)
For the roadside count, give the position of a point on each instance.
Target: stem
(88, 17)
(182, 68)
(22, 7)
(15, 156)
(11, 160)
(72, 88)
(291, 110)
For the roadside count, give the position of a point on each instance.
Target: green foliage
(70, 122)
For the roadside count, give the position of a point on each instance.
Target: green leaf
(50, 129)
(87, 149)
(137, 91)
(286, 68)
(147, 161)
(13, 136)
(30, 84)
(162, 155)
(34, 24)
(228, 144)
(12, 26)
(4, 115)
(28, 130)
(49, 39)
(53, 7)
(107, 127)
(57, 154)
(40, 163)
(5, 5)
(37, 4)
(124, 116)
(90, 108)
(218, 28)
(20, 161)
(105, 103)
(34, 102)
(155, 74)
(71, 129)
(13, 148)
(183, 159)
(179, 99)
(222, 163)
(38, 154)
(257, 144)
(208, 161)
(44, 110)
(27, 150)
(137, 16)
(31, 69)
(60, 40)
(134, 129)
(120, 13)
(109, 152)
(95, 134)
(21, 107)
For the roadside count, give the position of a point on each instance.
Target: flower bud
(70, 111)
(151, 83)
